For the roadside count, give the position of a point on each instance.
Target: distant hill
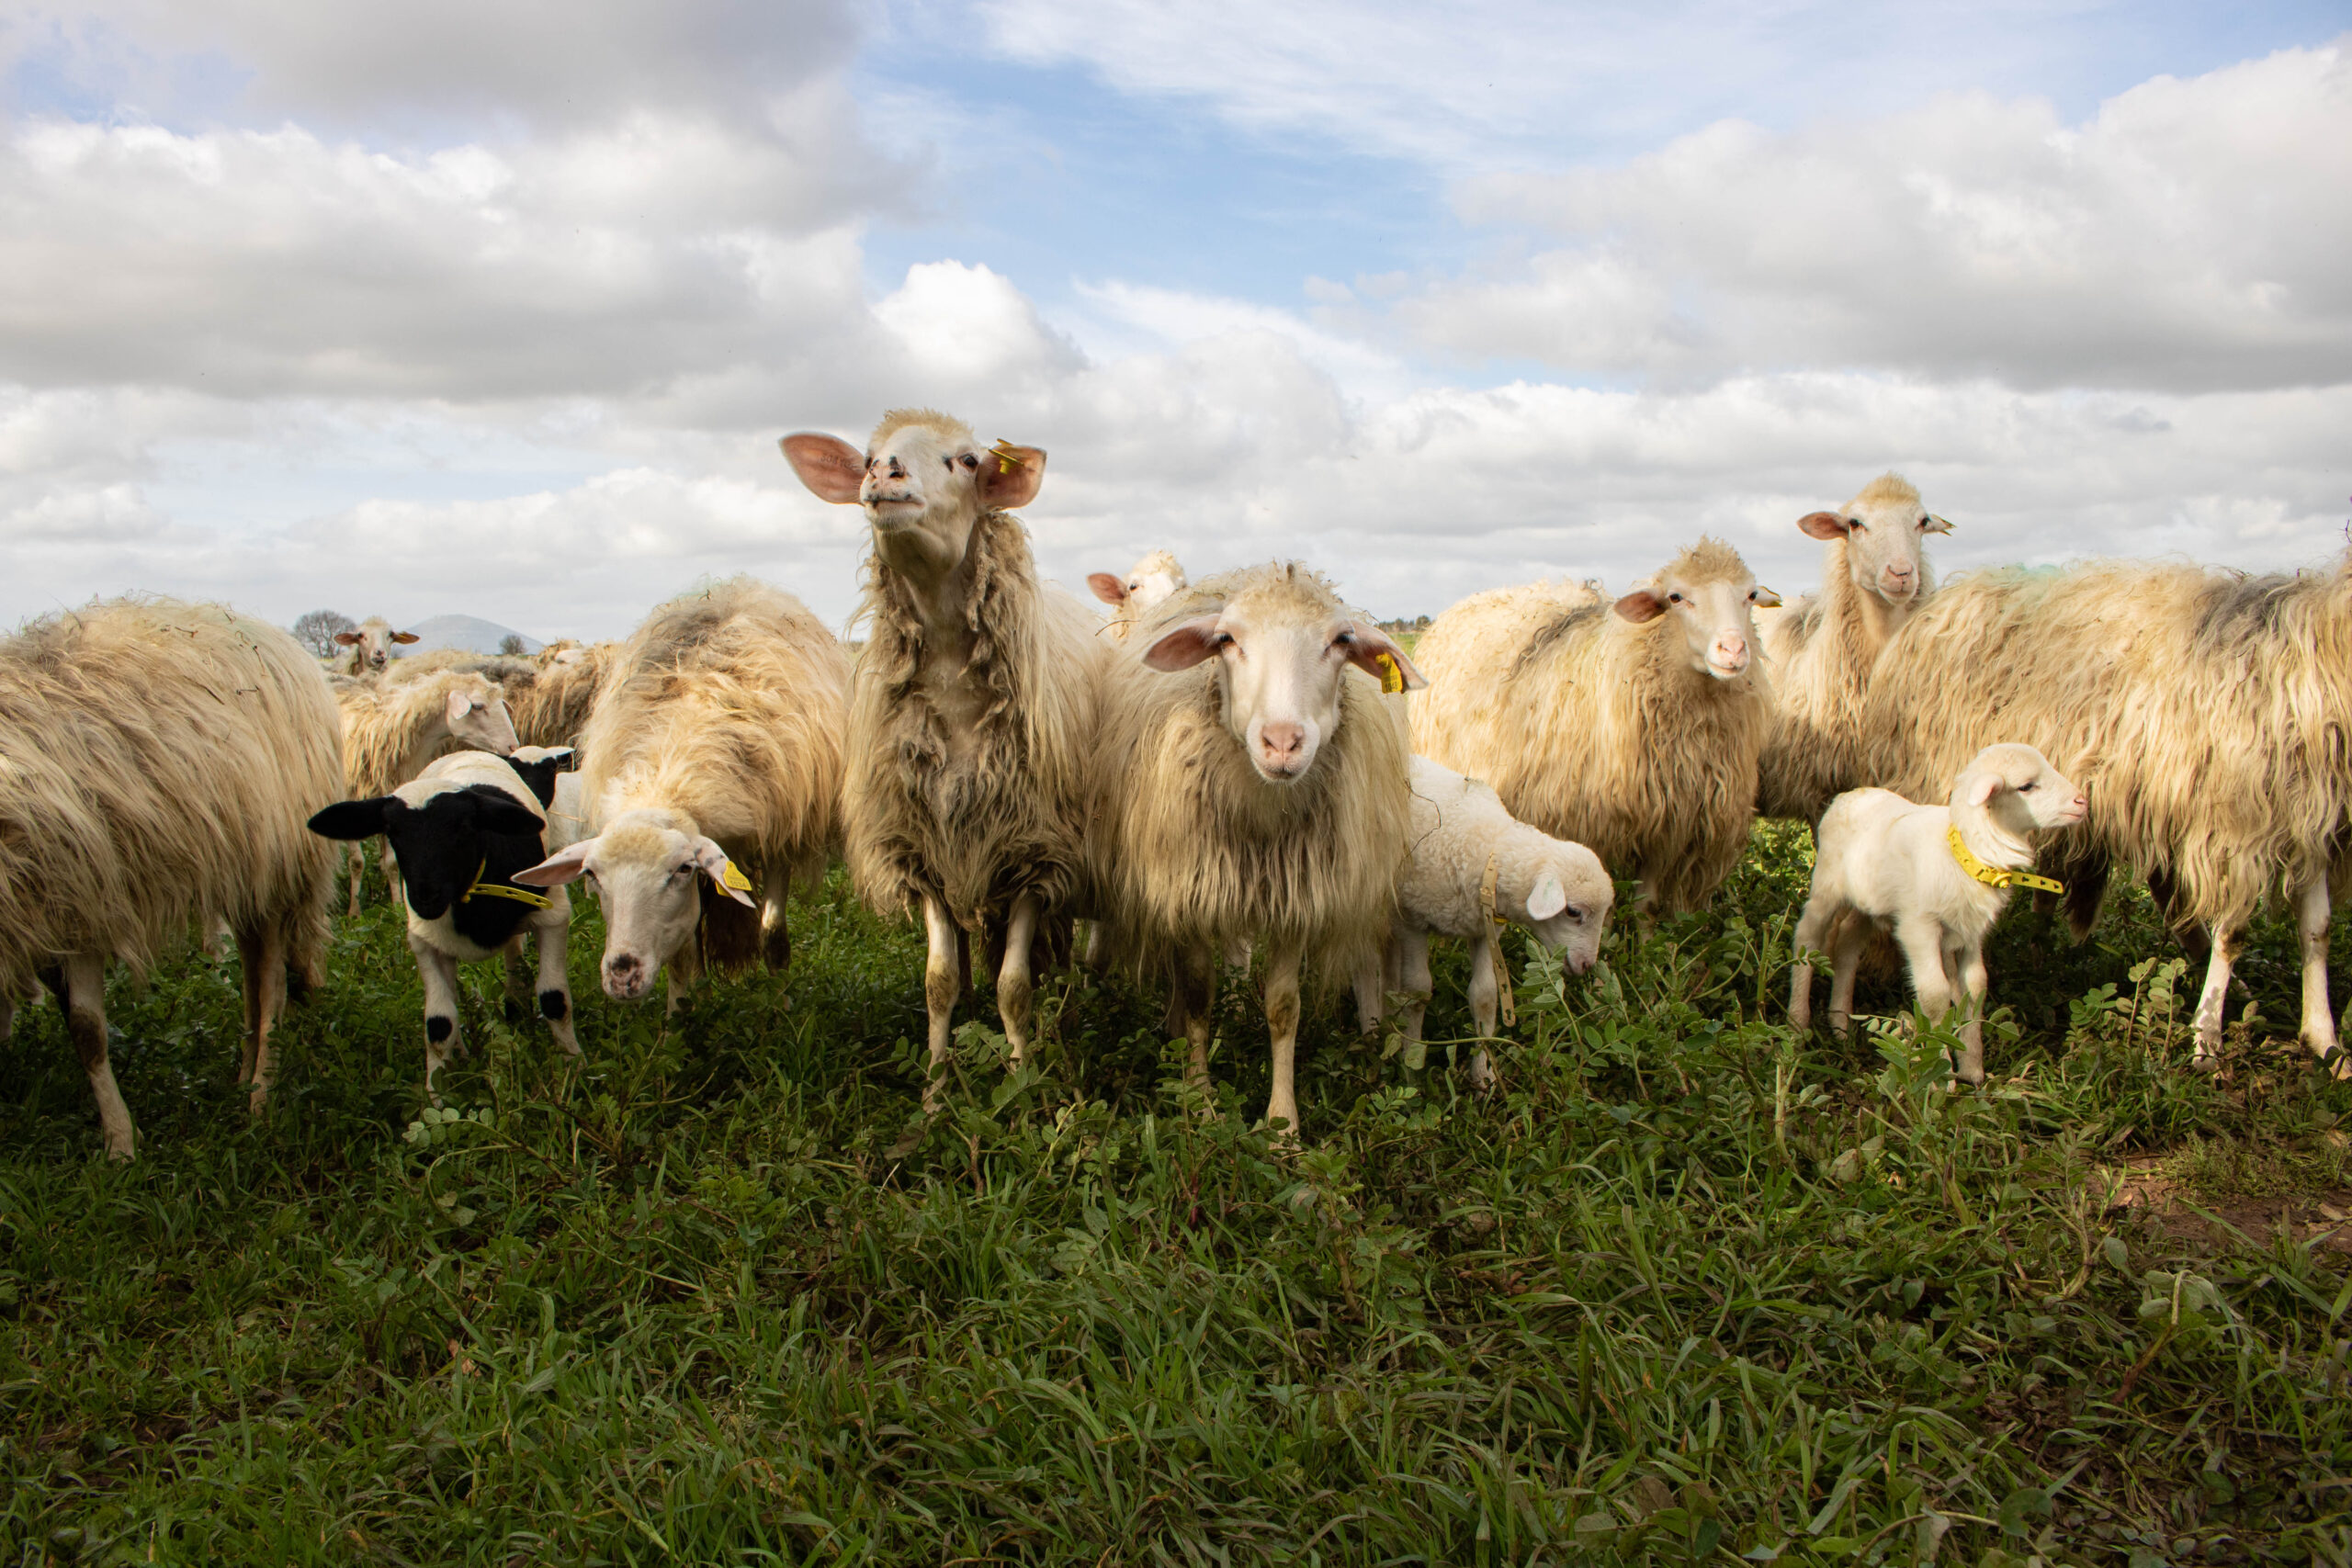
(470, 632)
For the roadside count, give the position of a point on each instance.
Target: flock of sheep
(1226, 767)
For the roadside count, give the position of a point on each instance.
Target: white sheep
(713, 754)
(392, 728)
(1251, 789)
(1474, 866)
(1633, 729)
(1149, 582)
(369, 647)
(157, 763)
(1938, 877)
(462, 829)
(972, 719)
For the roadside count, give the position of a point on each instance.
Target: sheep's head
(1710, 592)
(478, 716)
(645, 867)
(922, 480)
(439, 832)
(1149, 582)
(1283, 638)
(2019, 788)
(1883, 528)
(371, 644)
(1568, 903)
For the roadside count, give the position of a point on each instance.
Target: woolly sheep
(552, 708)
(1821, 650)
(2204, 710)
(1460, 838)
(462, 829)
(1883, 858)
(392, 728)
(1149, 582)
(369, 647)
(715, 752)
(159, 759)
(972, 718)
(1251, 789)
(1634, 729)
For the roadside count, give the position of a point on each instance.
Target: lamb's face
(477, 717)
(1149, 582)
(2020, 790)
(1567, 907)
(1712, 610)
(647, 876)
(1884, 529)
(922, 485)
(371, 644)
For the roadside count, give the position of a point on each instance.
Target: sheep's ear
(1108, 589)
(558, 869)
(1984, 787)
(460, 706)
(1183, 645)
(1822, 524)
(1764, 598)
(1011, 476)
(830, 467)
(406, 637)
(722, 873)
(1547, 897)
(1937, 524)
(353, 818)
(348, 639)
(1641, 605)
(1375, 654)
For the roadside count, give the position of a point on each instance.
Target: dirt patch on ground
(2138, 1187)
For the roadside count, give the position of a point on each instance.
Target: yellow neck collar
(481, 889)
(1994, 876)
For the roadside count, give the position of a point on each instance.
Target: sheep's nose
(1731, 650)
(1282, 742)
(621, 969)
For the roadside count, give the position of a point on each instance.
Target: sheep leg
(1193, 994)
(355, 861)
(392, 873)
(2214, 1001)
(776, 937)
(1483, 997)
(1014, 995)
(1811, 936)
(1968, 968)
(1849, 934)
(1091, 951)
(1367, 983)
(1409, 962)
(555, 983)
(516, 977)
(263, 951)
(943, 980)
(80, 984)
(1281, 1024)
(2313, 908)
(438, 971)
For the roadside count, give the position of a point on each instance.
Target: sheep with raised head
(1149, 582)
(367, 646)
(1472, 867)
(1252, 789)
(714, 756)
(1936, 876)
(1633, 729)
(462, 829)
(1821, 650)
(972, 718)
(392, 728)
(2206, 713)
(157, 763)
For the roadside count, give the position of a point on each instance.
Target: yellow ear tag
(730, 878)
(1007, 459)
(1391, 679)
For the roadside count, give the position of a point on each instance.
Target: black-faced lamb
(1252, 789)
(462, 829)
(157, 763)
(1937, 876)
(972, 718)
(1633, 729)
(392, 728)
(712, 770)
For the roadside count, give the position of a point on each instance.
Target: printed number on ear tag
(734, 878)
(1392, 680)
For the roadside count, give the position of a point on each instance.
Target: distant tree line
(316, 630)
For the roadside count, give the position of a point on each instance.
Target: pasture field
(1688, 1289)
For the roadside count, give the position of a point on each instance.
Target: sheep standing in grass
(462, 829)
(972, 719)
(1821, 650)
(157, 763)
(1937, 876)
(392, 728)
(1633, 728)
(713, 769)
(1472, 867)
(2205, 711)
(1251, 789)
(368, 648)
(1149, 582)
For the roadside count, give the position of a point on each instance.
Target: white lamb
(1158, 577)
(1938, 875)
(1475, 866)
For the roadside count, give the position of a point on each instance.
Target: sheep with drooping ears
(367, 646)
(392, 728)
(1821, 650)
(1633, 729)
(157, 763)
(1252, 788)
(1149, 582)
(712, 773)
(972, 718)
(1937, 876)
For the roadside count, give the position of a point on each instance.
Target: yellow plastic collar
(1992, 876)
(481, 889)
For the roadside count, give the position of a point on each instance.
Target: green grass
(1688, 1289)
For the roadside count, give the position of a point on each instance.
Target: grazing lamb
(392, 728)
(1149, 582)
(370, 647)
(462, 829)
(2206, 712)
(1631, 728)
(1474, 866)
(157, 761)
(1252, 790)
(714, 752)
(972, 720)
(1821, 650)
(1938, 875)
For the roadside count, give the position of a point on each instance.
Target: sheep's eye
(1923, 520)
(2026, 788)
(1858, 526)
(1575, 914)
(970, 461)
(1674, 598)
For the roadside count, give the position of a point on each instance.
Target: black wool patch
(438, 1028)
